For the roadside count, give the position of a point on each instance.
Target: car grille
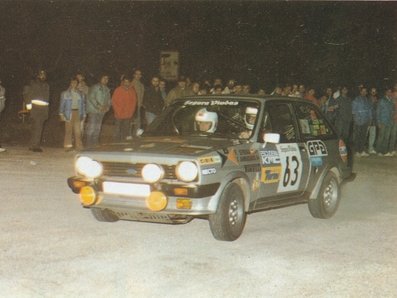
(133, 170)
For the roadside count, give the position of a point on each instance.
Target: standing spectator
(373, 100)
(294, 91)
(310, 96)
(217, 82)
(72, 111)
(2, 106)
(153, 100)
(82, 85)
(261, 92)
(323, 104)
(246, 89)
(37, 96)
(344, 116)
(98, 103)
(331, 106)
(238, 89)
(195, 88)
(278, 91)
(301, 90)
(140, 91)
(384, 116)
(337, 92)
(83, 88)
(217, 90)
(177, 92)
(229, 89)
(124, 103)
(204, 90)
(362, 116)
(287, 90)
(163, 90)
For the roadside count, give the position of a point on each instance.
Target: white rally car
(218, 158)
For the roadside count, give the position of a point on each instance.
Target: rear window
(311, 123)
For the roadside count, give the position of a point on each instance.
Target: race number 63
(291, 165)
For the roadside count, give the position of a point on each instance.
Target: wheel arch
(241, 179)
(317, 187)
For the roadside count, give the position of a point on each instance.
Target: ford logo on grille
(131, 171)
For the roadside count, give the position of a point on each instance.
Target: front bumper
(200, 199)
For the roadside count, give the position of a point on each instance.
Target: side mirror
(271, 138)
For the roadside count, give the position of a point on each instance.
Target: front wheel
(327, 201)
(228, 222)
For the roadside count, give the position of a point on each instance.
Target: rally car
(218, 158)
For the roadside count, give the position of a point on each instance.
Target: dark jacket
(153, 101)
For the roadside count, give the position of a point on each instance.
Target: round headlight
(186, 171)
(88, 167)
(152, 173)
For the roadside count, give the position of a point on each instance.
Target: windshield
(228, 118)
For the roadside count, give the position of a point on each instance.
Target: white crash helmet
(205, 116)
(250, 111)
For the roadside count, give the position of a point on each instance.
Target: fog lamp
(183, 203)
(156, 201)
(88, 196)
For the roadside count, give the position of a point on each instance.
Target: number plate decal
(126, 189)
(291, 165)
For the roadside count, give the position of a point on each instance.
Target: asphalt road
(52, 247)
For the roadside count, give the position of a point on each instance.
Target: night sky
(261, 43)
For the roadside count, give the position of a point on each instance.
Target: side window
(281, 121)
(311, 123)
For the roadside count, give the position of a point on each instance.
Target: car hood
(187, 146)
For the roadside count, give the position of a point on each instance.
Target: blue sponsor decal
(316, 161)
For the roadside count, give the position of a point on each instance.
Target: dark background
(260, 43)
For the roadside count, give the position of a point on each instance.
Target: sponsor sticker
(248, 155)
(211, 103)
(317, 148)
(271, 174)
(270, 157)
(316, 161)
(208, 160)
(209, 171)
(252, 168)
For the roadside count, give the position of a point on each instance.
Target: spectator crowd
(363, 117)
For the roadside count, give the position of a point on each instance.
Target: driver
(206, 121)
(249, 119)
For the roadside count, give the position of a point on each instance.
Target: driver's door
(284, 166)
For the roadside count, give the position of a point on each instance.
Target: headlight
(88, 167)
(186, 171)
(152, 173)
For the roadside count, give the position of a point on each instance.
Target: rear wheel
(104, 215)
(228, 222)
(327, 201)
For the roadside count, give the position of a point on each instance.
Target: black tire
(104, 215)
(228, 222)
(328, 198)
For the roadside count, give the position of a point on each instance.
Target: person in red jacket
(124, 101)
